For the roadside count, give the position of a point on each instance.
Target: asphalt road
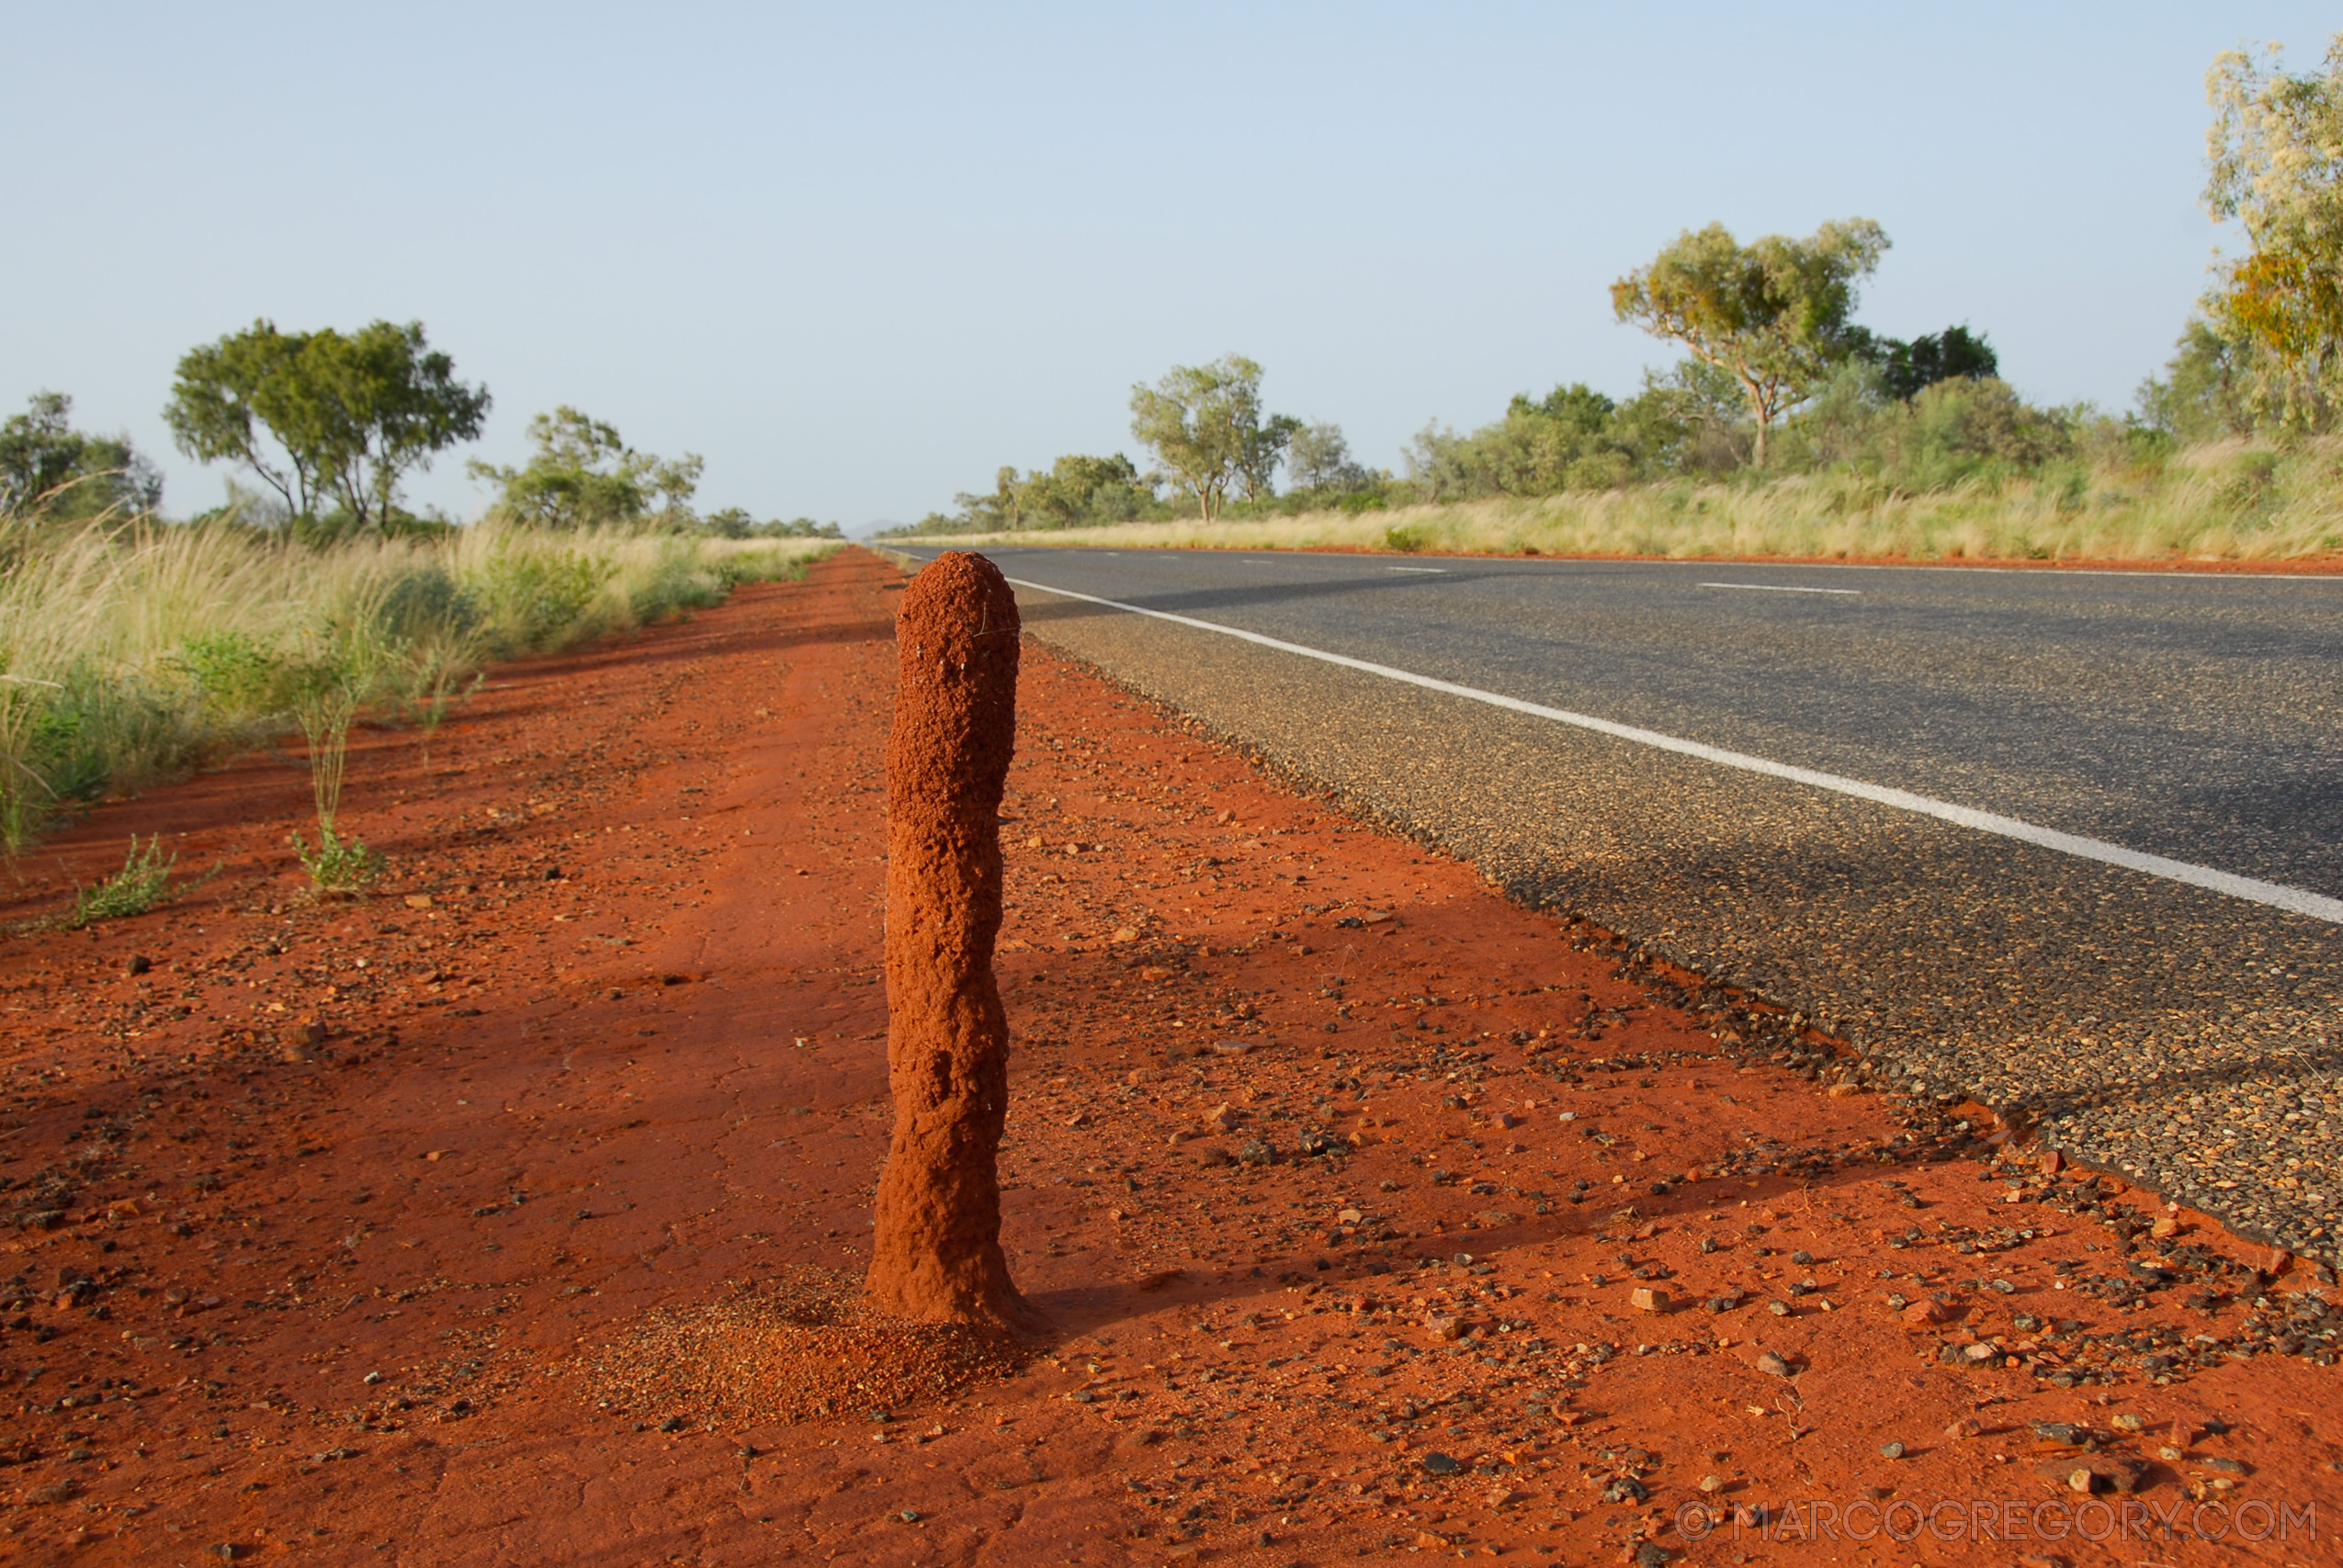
(2183, 1035)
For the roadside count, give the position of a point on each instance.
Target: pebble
(1773, 1365)
(1439, 1464)
(1891, 1451)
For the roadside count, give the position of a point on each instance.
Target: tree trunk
(935, 1253)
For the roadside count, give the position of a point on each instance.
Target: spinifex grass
(128, 648)
(2232, 500)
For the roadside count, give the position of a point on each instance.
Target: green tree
(1264, 448)
(2274, 154)
(1204, 423)
(1905, 368)
(1776, 313)
(324, 416)
(47, 465)
(1319, 459)
(583, 475)
(2208, 388)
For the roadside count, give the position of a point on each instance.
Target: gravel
(2182, 1039)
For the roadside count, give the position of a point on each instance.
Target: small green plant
(338, 864)
(143, 882)
(1406, 537)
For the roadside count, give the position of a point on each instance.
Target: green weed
(143, 882)
(338, 864)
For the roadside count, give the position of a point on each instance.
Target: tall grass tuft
(128, 648)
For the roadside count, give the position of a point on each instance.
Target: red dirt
(530, 1257)
(935, 1237)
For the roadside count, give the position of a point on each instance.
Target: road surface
(2071, 843)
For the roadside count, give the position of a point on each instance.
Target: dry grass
(127, 648)
(2226, 502)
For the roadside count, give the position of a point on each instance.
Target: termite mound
(935, 1253)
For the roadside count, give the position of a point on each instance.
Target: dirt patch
(804, 1346)
(1339, 1175)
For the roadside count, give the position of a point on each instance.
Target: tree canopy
(324, 417)
(1777, 313)
(1204, 423)
(583, 475)
(48, 467)
(2274, 155)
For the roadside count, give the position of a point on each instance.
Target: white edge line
(1777, 588)
(2294, 900)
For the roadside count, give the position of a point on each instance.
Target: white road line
(2296, 901)
(1777, 588)
(1435, 570)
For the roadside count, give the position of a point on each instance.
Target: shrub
(143, 882)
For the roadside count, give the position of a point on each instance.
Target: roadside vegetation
(132, 645)
(1787, 428)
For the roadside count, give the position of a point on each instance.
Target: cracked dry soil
(511, 1214)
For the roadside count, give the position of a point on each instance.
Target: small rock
(1499, 1496)
(1891, 1451)
(137, 964)
(2126, 1422)
(1773, 1365)
(1651, 1554)
(2165, 1225)
(1712, 1483)
(1979, 1353)
(1644, 1298)
(1439, 1464)
(1923, 1311)
(1965, 1427)
(1778, 1309)
(2066, 1434)
(910, 1515)
(1446, 1327)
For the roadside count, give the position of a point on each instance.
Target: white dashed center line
(1435, 570)
(1777, 588)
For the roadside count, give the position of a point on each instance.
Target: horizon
(860, 263)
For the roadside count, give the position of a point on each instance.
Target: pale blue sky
(858, 256)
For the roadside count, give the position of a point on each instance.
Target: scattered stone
(1923, 1311)
(1436, 1463)
(1644, 1298)
(1965, 1427)
(1891, 1451)
(1773, 1365)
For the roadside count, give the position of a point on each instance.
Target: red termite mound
(936, 1252)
